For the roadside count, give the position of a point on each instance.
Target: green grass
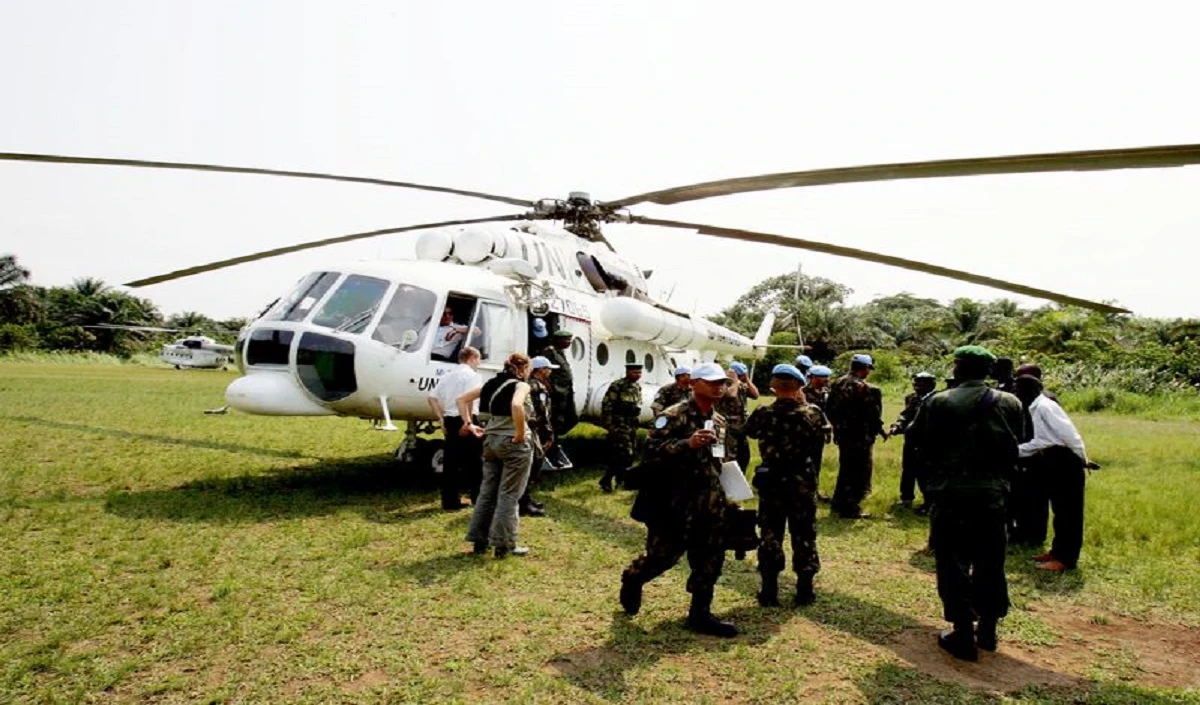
(151, 553)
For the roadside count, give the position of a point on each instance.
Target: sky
(536, 99)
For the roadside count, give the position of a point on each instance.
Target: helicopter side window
(493, 332)
(353, 305)
(298, 304)
(451, 328)
(405, 321)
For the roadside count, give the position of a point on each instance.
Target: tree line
(66, 317)
(906, 334)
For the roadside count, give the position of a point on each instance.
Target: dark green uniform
(562, 391)
(968, 439)
(790, 434)
(670, 395)
(692, 517)
(856, 410)
(619, 415)
(733, 408)
(910, 470)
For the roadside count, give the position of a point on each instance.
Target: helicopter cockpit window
(352, 306)
(493, 333)
(298, 304)
(411, 309)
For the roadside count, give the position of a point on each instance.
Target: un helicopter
(355, 339)
(198, 352)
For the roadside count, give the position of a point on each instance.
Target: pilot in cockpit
(449, 337)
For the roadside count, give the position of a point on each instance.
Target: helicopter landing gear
(425, 455)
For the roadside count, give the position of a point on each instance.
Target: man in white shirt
(448, 337)
(462, 457)
(1056, 459)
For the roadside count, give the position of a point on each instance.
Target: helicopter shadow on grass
(372, 485)
(907, 638)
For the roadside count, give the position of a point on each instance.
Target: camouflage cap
(974, 352)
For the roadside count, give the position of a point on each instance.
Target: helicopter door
(494, 332)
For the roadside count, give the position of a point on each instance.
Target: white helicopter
(192, 352)
(355, 339)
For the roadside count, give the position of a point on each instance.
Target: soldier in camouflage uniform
(816, 392)
(924, 384)
(856, 410)
(543, 432)
(733, 407)
(619, 415)
(969, 437)
(564, 416)
(688, 443)
(790, 432)
(672, 394)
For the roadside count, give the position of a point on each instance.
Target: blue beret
(738, 368)
(820, 371)
(786, 370)
(804, 361)
(863, 359)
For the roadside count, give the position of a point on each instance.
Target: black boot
(985, 634)
(960, 642)
(804, 590)
(631, 595)
(606, 482)
(769, 595)
(701, 620)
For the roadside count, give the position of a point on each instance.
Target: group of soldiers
(965, 447)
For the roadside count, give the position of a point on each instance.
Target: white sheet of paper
(734, 482)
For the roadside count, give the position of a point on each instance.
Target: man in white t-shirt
(448, 337)
(462, 457)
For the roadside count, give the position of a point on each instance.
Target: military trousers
(461, 459)
(665, 545)
(506, 468)
(911, 477)
(787, 504)
(855, 466)
(969, 544)
(622, 447)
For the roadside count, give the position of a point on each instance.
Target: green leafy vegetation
(152, 553)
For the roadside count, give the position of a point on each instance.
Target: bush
(15, 337)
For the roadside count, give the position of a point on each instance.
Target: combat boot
(960, 642)
(985, 634)
(606, 482)
(631, 595)
(701, 620)
(769, 595)
(804, 590)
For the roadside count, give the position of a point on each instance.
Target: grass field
(151, 553)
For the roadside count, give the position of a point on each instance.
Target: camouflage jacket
(790, 434)
(540, 423)
(733, 408)
(856, 410)
(912, 404)
(622, 404)
(967, 439)
(694, 474)
(816, 397)
(562, 384)
(670, 395)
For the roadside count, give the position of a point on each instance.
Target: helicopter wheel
(428, 457)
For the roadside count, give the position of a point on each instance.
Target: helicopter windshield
(406, 318)
(351, 307)
(298, 304)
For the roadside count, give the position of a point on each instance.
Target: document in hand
(734, 482)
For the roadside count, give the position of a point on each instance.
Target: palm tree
(12, 274)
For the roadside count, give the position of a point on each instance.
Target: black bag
(655, 501)
(741, 530)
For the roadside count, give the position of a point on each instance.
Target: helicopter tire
(428, 457)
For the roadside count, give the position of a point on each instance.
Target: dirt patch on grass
(1006, 670)
(1156, 654)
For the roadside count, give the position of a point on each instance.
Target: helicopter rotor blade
(265, 254)
(183, 166)
(136, 329)
(855, 253)
(1094, 160)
